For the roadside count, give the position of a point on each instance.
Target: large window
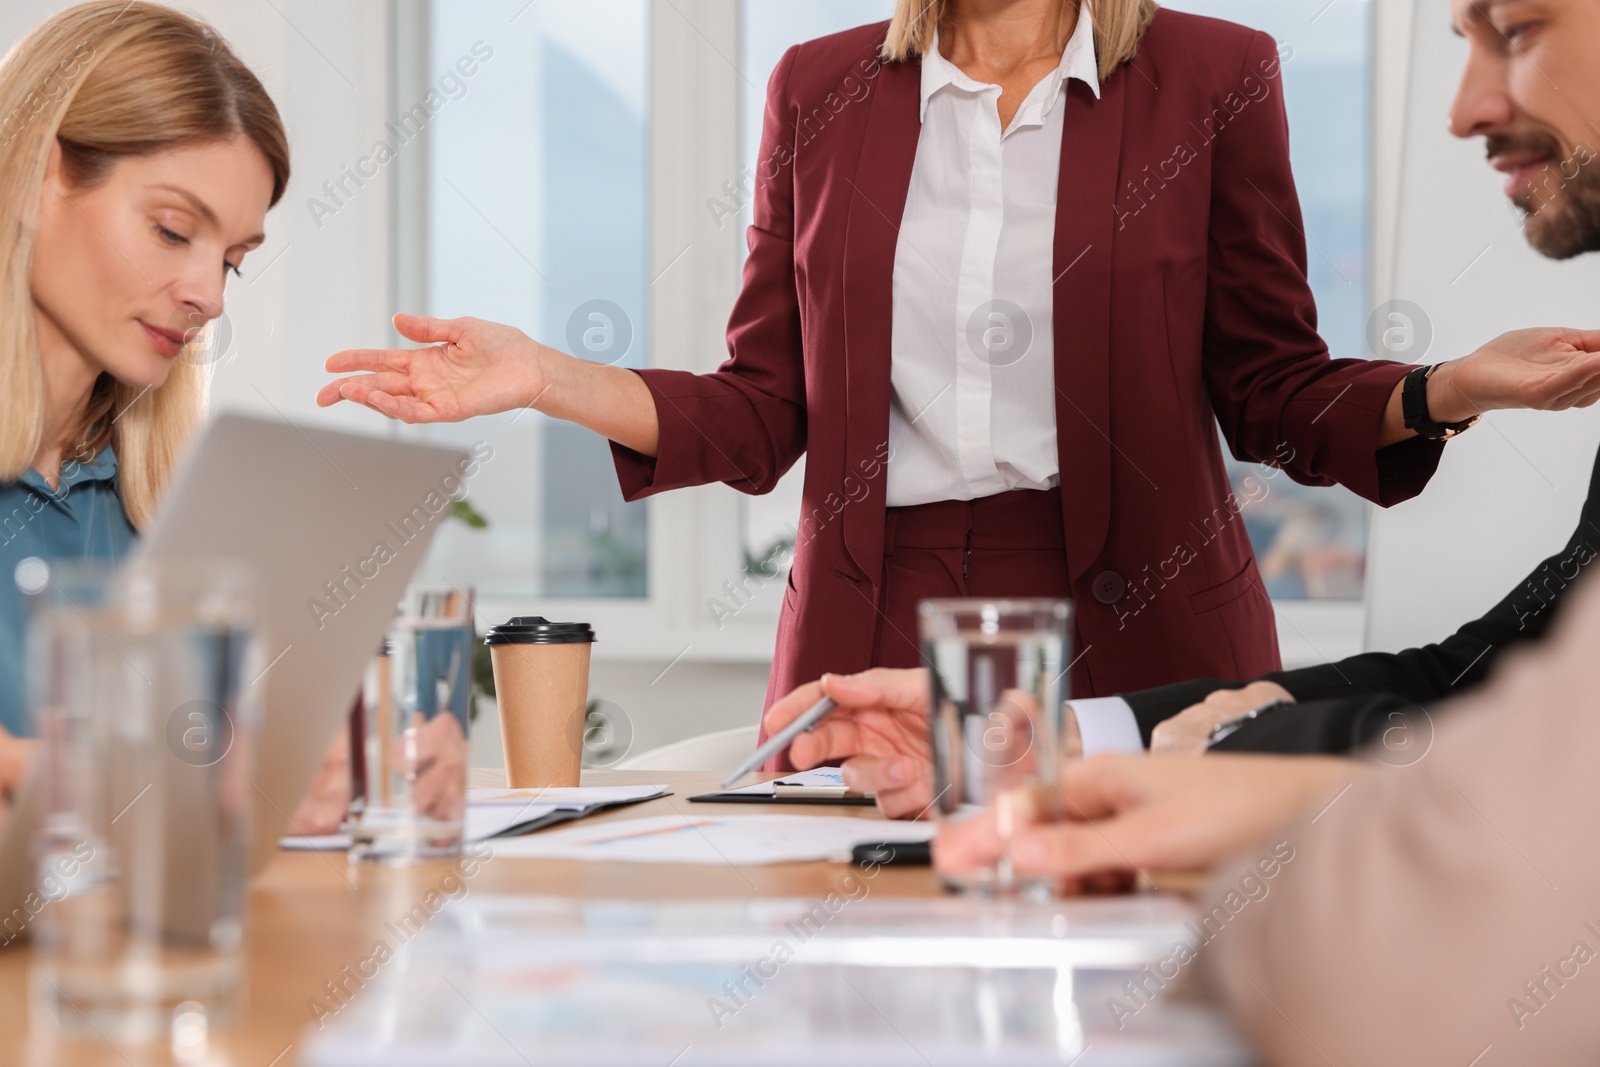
(536, 194)
(1311, 542)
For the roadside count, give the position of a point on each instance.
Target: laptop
(307, 508)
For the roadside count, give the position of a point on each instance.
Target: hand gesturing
(472, 367)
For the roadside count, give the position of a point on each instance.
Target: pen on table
(1228, 727)
(892, 853)
(780, 740)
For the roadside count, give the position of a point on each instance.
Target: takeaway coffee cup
(541, 680)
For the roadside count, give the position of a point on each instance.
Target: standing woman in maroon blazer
(1011, 261)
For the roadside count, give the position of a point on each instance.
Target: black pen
(902, 853)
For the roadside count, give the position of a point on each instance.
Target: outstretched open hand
(1542, 369)
(473, 367)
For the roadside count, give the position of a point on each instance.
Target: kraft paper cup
(541, 681)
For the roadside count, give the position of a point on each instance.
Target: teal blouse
(83, 519)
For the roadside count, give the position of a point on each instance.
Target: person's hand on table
(439, 767)
(327, 800)
(473, 368)
(879, 731)
(436, 751)
(1116, 815)
(1189, 731)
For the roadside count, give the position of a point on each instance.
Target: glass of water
(999, 676)
(410, 766)
(141, 682)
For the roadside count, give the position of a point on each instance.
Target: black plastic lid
(538, 630)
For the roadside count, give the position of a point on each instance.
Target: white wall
(1507, 493)
(1392, 21)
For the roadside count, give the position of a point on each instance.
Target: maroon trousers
(1007, 545)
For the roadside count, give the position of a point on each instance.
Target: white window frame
(695, 535)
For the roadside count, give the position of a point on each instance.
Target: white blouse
(973, 407)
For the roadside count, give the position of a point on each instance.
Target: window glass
(537, 217)
(1311, 543)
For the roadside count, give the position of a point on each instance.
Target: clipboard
(561, 815)
(823, 785)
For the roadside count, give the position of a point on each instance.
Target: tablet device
(308, 509)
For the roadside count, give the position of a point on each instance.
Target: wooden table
(311, 914)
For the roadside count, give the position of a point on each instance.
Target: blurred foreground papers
(498, 981)
(716, 840)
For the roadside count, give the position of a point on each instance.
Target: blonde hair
(1119, 26)
(108, 80)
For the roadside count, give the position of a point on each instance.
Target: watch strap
(1414, 407)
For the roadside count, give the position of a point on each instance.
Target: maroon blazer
(1181, 300)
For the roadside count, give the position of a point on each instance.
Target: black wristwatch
(1414, 406)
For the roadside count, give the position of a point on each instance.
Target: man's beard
(1561, 215)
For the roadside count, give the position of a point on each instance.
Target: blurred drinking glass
(998, 670)
(409, 751)
(142, 689)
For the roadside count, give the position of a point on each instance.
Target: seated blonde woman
(138, 160)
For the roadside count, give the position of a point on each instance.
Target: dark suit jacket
(1353, 701)
(1180, 299)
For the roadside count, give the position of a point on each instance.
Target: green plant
(465, 512)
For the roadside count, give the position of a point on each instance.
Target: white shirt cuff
(1107, 724)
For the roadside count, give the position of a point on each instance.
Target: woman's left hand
(1542, 369)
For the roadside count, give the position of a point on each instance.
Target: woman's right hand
(879, 730)
(472, 367)
(327, 801)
